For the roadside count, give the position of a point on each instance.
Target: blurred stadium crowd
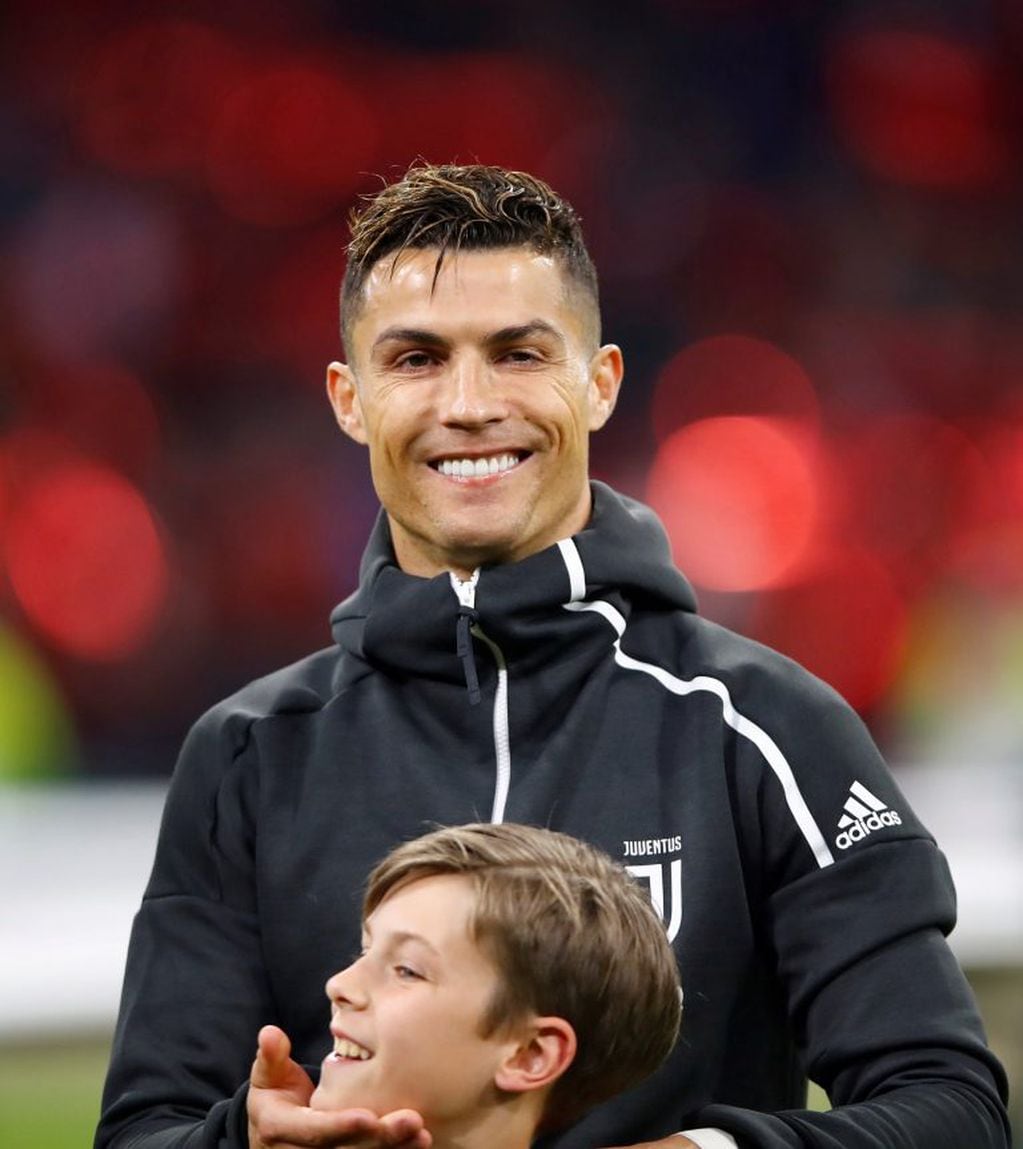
(807, 217)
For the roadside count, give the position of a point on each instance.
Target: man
(521, 648)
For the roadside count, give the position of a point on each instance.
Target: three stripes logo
(864, 813)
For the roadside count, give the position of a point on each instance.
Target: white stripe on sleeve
(711, 1138)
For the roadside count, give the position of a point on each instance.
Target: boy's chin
(326, 1099)
(321, 1100)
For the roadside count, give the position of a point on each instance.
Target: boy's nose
(342, 988)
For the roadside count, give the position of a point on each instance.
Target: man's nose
(472, 395)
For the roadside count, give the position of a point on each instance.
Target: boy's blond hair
(572, 935)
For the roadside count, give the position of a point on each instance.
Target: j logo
(653, 873)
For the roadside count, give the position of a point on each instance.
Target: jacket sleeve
(884, 1019)
(195, 990)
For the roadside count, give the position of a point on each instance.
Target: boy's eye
(407, 973)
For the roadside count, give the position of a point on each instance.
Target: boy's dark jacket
(806, 902)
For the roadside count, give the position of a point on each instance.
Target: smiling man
(476, 390)
(521, 648)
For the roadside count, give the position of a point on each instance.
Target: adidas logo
(864, 813)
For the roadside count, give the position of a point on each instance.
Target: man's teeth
(477, 468)
(345, 1048)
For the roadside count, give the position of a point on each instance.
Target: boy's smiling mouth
(347, 1050)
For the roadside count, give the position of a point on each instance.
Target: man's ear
(606, 370)
(545, 1049)
(344, 398)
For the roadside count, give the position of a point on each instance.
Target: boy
(511, 978)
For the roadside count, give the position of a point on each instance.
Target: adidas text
(863, 826)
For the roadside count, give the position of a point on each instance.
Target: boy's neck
(509, 1126)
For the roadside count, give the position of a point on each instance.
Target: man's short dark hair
(471, 207)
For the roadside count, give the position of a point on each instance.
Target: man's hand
(280, 1117)
(675, 1141)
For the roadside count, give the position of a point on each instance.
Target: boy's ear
(344, 398)
(546, 1048)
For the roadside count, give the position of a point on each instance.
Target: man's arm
(195, 987)
(681, 1141)
(882, 1014)
(925, 1084)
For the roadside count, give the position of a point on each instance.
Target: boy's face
(406, 1015)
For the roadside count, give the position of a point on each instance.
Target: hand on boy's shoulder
(675, 1141)
(280, 1117)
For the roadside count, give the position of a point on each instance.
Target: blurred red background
(806, 218)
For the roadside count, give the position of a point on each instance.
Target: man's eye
(415, 360)
(519, 355)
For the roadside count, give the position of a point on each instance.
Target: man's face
(476, 396)
(406, 1016)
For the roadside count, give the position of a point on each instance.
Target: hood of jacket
(405, 624)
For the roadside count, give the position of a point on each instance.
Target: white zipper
(465, 589)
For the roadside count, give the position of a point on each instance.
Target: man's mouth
(347, 1050)
(481, 467)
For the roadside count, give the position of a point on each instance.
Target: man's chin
(464, 550)
(461, 543)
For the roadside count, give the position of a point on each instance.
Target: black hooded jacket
(576, 689)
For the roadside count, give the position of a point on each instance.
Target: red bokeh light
(919, 108)
(946, 360)
(739, 497)
(4, 502)
(1001, 445)
(298, 306)
(268, 573)
(86, 562)
(913, 484)
(94, 269)
(991, 559)
(731, 375)
(479, 107)
(749, 268)
(103, 409)
(844, 620)
(147, 97)
(989, 552)
(290, 144)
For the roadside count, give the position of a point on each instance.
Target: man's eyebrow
(416, 335)
(421, 337)
(522, 331)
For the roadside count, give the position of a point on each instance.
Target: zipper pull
(467, 619)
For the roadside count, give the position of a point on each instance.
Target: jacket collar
(407, 625)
